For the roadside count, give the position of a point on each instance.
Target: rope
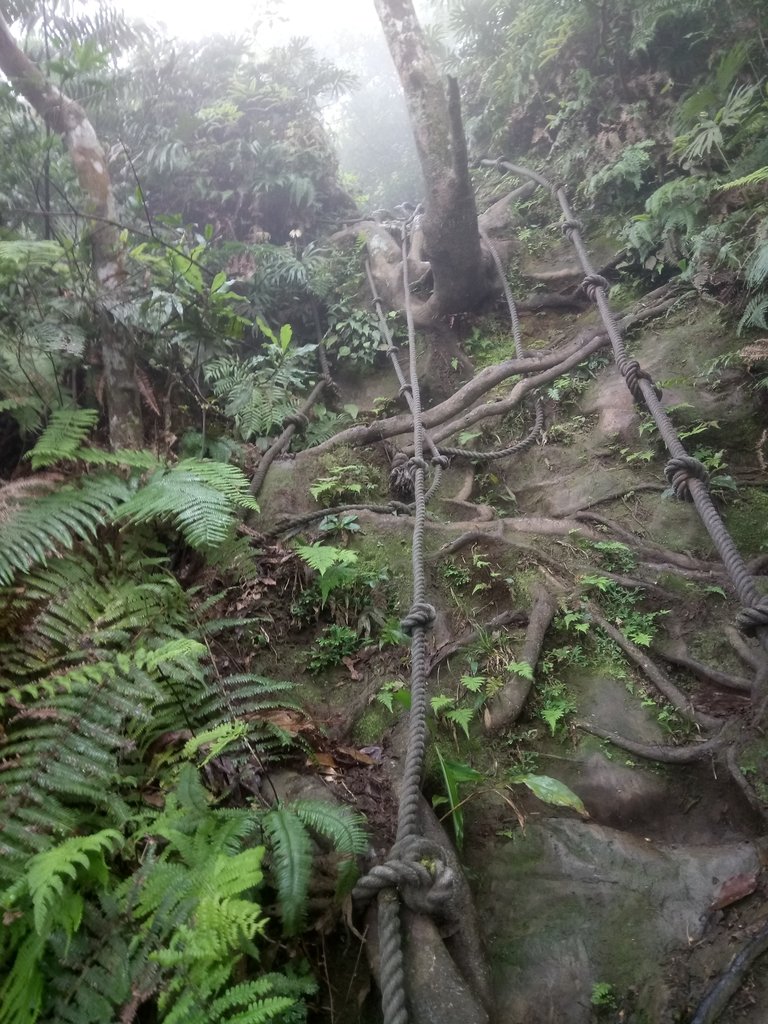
(405, 874)
(687, 475)
(442, 454)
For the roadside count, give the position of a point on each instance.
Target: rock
(570, 904)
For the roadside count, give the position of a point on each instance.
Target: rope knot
(680, 470)
(401, 478)
(405, 389)
(421, 616)
(568, 225)
(297, 420)
(423, 877)
(633, 374)
(415, 463)
(591, 283)
(440, 460)
(753, 617)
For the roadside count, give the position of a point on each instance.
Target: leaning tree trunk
(450, 221)
(68, 119)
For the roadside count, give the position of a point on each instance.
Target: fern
(292, 863)
(25, 253)
(48, 873)
(198, 497)
(55, 521)
(343, 828)
(61, 439)
(755, 178)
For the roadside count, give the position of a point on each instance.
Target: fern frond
(55, 521)
(24, 253)
(292, 864)
(755, 178)
(341, 825)
(47, 873)
(198, 496)
(344, 828)
(61, 439)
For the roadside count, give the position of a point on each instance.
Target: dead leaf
(734, 889)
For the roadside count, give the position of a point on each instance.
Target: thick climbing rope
(688, 476)
(416, 870)
(441, 454)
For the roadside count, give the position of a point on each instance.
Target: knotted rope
(687, 475)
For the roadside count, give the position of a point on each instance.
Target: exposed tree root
(546, 366)
(680, 701)
(280, 444)
(508, 618)
(614, 496)
(730, 981)
(633, 583)
(394, 508)
(656, 751)
(752, 656)
(505, 707)
(463, 541)
(705, 672)
(652, 552)
(741, 781)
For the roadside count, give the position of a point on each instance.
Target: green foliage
(351, 482)
(353, 334)
(259, 392)
(551, 791)
(63, 436)
(333, 645)
(55, 521)
(198, 496)
(453, 775)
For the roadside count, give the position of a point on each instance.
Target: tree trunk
(450, 221)
(68, 119)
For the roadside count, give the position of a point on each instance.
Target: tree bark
(451, 235)
(68, 119)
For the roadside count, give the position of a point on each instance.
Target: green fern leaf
(198, 496)
(48, 872)
(30, 253)
(61, 439)
(321, 557)
(292, 860)
(55, 521)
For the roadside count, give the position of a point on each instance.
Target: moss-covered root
(505, 708)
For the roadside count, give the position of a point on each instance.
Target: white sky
(320, 20)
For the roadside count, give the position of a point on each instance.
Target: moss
(747, 519)
(372, 725)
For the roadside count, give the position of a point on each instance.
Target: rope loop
(420, 872)
(591, 283)
(633, 374)
(405, 389)
(568, 225)
(297, 420)
(680, 470)
(751, 618)
(421, 616)
(415, 463)
(441, 460)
